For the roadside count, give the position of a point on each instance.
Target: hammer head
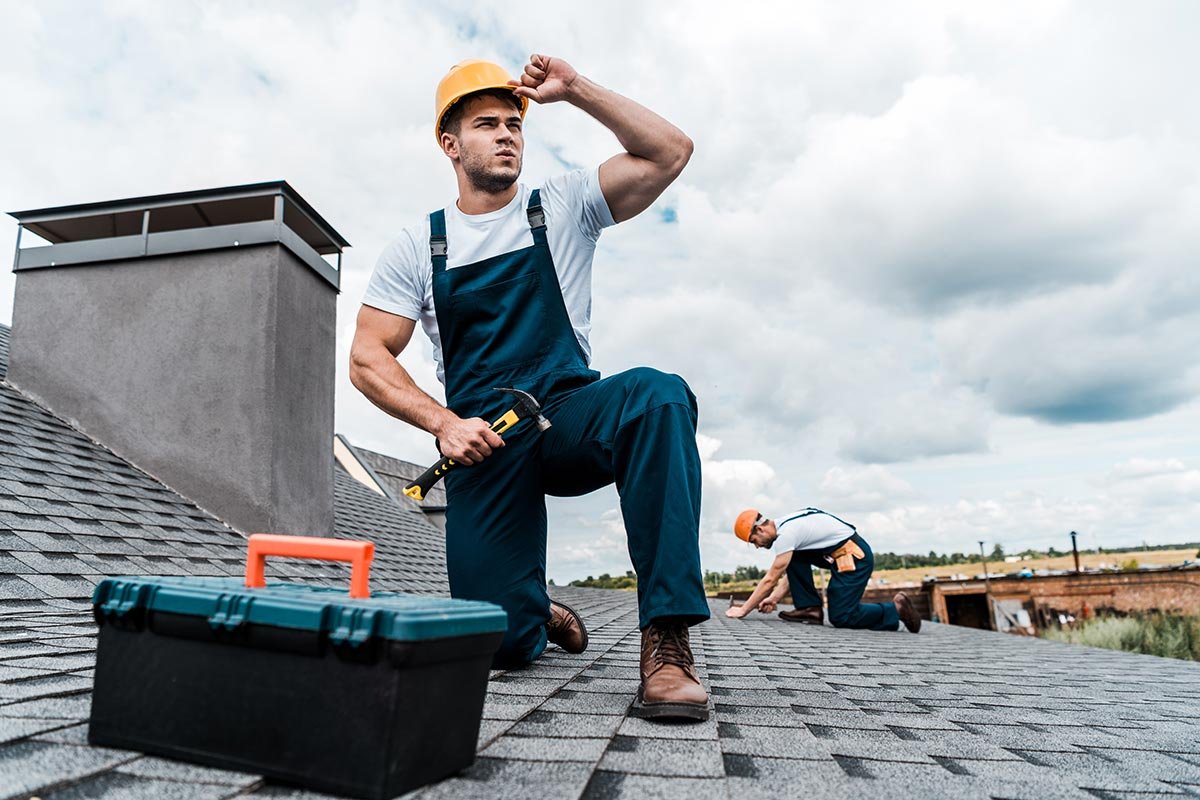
(527, 407)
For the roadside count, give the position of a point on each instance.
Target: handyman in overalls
(501, 282)
(814, 538)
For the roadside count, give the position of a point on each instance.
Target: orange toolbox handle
(358, 553)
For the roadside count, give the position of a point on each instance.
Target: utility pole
(1075, 550)
(987, 590)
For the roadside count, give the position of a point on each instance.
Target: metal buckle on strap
(537, 217)
(437, 246)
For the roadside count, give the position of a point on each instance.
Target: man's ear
(450, 145)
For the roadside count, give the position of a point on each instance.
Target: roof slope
(953, 712)
(396, 473)
(71, 511)
(799, 711)
(410, 553)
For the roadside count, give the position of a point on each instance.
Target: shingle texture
(396, 474)
(71, 512)
(798, 711)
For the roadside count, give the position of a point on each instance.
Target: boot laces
(671, 646)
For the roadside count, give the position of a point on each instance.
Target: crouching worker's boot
(908, 614)
(566, 628)
(670, 687)
(812, 615)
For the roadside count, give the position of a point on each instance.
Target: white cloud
(900, 236)
(919, 425)
(871, 488)
(1147, 483)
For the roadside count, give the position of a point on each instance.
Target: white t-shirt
(575, 211)
(814, 531)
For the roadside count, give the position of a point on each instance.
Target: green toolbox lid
(228, 603)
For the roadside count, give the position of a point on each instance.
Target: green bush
(1167, 635)
(606, 581)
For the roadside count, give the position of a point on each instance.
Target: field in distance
(1106, 560)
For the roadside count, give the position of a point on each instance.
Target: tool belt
(843, 557)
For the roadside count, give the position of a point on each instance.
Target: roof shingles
(806, 710)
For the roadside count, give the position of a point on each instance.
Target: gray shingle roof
(798, 710)
(410, 553)
(5, 332)
(396, 473)
(71, 512)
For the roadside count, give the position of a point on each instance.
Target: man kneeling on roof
(814, 538)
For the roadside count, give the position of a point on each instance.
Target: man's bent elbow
(683, 154)
(360, 367)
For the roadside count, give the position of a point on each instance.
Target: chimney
(193, 334)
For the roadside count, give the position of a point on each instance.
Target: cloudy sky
(933, 267)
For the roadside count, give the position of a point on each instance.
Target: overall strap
(437, 239)
(808, 512)
(537, 218)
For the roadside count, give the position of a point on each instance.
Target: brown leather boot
(812, 615)
(566, 628)
(908, 614)
(670, 688)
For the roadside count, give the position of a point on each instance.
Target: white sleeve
(580, 196)
(786, 540)
(398, 284)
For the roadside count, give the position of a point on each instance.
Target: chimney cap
(207, 219)
(30, 218)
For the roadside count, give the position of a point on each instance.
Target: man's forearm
(389, 386)
(780, 590)
(639, 130)
(761, 591)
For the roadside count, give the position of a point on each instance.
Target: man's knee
(525, 638)
(650, 388)
(520, 647)
(842, 618)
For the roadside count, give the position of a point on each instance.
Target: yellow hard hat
(467, 77)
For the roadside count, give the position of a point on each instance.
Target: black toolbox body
(363, 697)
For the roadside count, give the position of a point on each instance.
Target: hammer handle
(421, 486)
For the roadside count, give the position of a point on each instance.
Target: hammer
(525, 408)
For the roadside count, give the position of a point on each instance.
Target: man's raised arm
(379, 338)
(655, 150)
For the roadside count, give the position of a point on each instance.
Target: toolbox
(361, 694)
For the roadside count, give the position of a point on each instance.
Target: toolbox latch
(231, 613)
(123, 603)
(353, 626)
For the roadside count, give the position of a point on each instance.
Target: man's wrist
(441, 420)
(580, 91)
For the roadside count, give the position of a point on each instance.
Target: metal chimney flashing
(181, 222)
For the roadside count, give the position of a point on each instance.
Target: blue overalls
(503, 322)
(845, 588)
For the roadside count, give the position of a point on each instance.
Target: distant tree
(606, 581)
(1053, 553)
(750, 573)
(998, 552)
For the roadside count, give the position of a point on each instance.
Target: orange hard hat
(743, 526)
(468, 77)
